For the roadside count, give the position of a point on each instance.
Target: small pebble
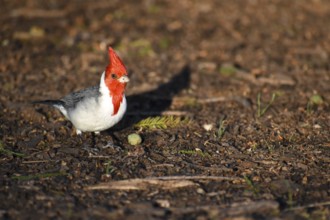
(208, 127)
(134, 139)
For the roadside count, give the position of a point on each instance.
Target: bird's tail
(55, 103)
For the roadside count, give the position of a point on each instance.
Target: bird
(99, 107)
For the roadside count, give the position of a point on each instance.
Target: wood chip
(164, 182)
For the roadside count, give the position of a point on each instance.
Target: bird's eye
(114, 76)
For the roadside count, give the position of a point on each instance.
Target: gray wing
(71, 100)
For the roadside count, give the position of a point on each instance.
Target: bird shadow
(154, 102)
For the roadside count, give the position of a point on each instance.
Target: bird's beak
(124, 79)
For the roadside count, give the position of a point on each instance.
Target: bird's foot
(91, 150)
(111, 145)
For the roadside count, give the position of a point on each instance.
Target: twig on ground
(241, 100)
(275, 79)
(216, 178)
(313, 205)
(99, 156)
(163, 182)
(36, 161)
(236, 209)
(37, 13)
(141, 184)
(213, 168)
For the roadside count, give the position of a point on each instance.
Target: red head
(115, 79)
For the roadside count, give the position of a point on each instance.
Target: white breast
(96, 114)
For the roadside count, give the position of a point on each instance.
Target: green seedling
(154, 9)
(162, 122)
(251, 185)
(164, 43)
(109, 168)
(227, 70)
(291, 138)
(194, 152)
(222, 129)
(262, 111)
(69, 212)
(191, 102)
(143, 47)
(254, 146)
(270, 147)
(120, 15)
(314, 100)
(290, 200)
(9, 152)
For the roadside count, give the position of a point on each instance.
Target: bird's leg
(91, 147)
(94, 134)
(94, 139)
(111, 144)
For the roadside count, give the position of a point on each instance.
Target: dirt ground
(250, 80)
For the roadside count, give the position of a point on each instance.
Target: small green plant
(118, 14)
(222, 129)
(292, 137)
(261, 111)
(314, 100)
(227, 70)
(290, 194)
(109, 168)
(192, 103)
(39, 176)
(154, 9)
(162, 122)
(251, 185)
(253, 145)
(290, 201)
(9, 152)
(194, 152)
(143, 46)
(270, 147)
(164, 43)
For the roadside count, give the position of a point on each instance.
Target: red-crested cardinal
(99, 107)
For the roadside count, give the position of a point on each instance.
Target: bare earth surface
(208, 61)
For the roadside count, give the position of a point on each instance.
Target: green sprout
(261, 111)
(222, 129)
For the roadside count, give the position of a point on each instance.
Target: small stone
(305, 180)
(208, 66)
(134, 139)
(174, 26)
(200, 191)
(208, 127)
(164, 203)
(37, 32)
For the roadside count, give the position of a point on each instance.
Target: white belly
(96, 115)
